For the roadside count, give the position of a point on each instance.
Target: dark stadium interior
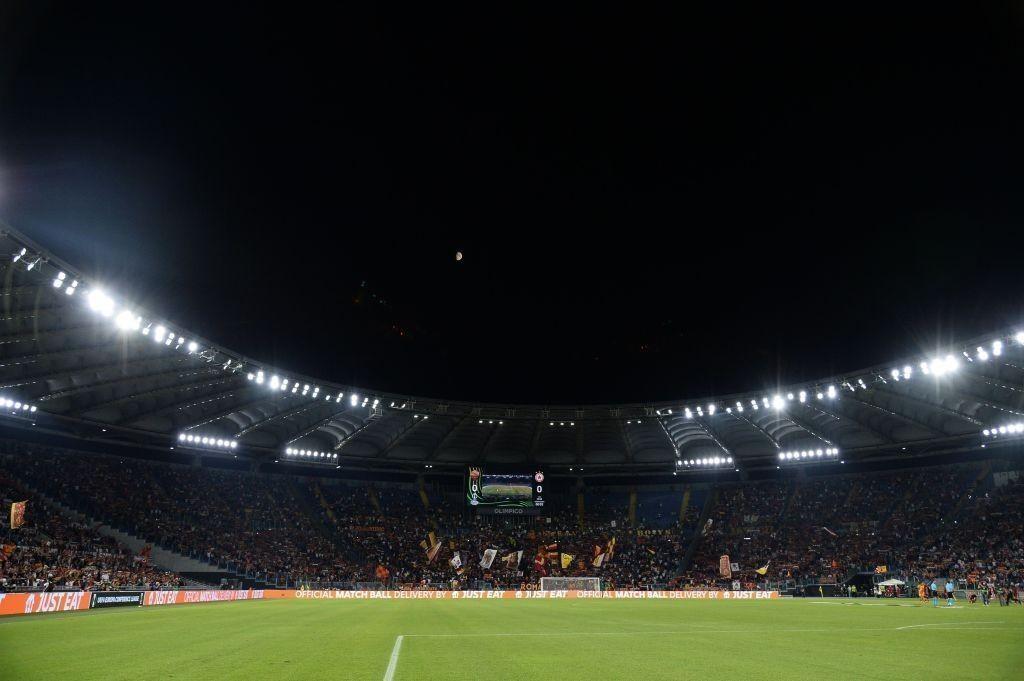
(687, 302)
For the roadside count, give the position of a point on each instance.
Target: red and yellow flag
(18, 514)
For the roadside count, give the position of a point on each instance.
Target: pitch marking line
(393, 662)
(943, 624)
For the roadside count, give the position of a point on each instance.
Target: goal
(570, 583)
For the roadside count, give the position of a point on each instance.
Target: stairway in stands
(691, 550)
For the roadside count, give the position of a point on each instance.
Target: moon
(458, 255)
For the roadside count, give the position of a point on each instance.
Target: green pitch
(556, 640)
(514, 491)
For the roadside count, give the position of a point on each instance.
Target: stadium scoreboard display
(503, 492)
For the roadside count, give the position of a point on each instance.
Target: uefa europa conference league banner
(63, 601)
(115, 599)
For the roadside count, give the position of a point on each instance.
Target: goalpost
(570, 583)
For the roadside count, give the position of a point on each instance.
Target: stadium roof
(76, 357)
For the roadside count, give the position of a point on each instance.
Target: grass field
(538, 639)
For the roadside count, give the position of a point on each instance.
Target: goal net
(570, 583)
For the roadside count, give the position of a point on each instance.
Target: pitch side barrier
(567, 594)
(67, 601)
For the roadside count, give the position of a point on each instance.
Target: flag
(599, 560)
(610, 549)
(512, 559)
(763, 570)
(725, 567)
(488, 558)
(6, 550)
(382, 573)
(456, 561)
(567, 559)
(432, 547)
(829, 531)
(18, 514)
(538, 564)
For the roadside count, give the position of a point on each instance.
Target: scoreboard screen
(516, 492)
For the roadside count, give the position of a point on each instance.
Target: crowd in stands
(255, 525)
(51, 551)
(918, 523)
(284, 530)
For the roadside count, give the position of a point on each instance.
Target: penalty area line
(393, 662)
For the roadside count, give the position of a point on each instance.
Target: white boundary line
(698, 632)
(393, 662)
(946, 625)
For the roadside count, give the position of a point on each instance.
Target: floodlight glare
(126, 321)
(101, 302)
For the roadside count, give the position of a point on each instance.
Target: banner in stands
(468, 595)
(56, 601)
(115, 599)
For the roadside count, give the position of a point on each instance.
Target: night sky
(652, 204)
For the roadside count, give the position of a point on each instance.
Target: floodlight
(126, 320)
(101, 302)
